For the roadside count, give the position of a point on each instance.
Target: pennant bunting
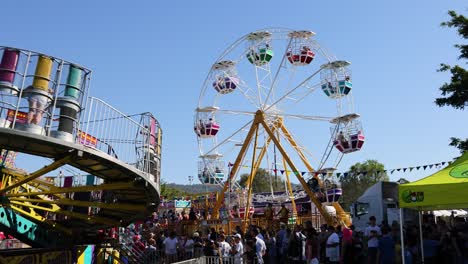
(404, 170)
(425, 166)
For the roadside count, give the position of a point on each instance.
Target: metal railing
(49, 96)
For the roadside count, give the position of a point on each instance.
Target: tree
(261, 182)
(169, 192)
(360, 177)
(455, 93)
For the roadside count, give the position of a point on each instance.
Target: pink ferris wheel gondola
(354, 143)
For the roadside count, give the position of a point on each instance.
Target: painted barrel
(42, 74)
(72, 88)
(8, 65)
(66, 120)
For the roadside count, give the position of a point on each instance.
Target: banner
(182, 204)
(21, 117)
(87, 139)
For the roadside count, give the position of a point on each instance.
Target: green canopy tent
(445, 189)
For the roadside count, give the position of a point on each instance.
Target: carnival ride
(264, 81)
(46, 113)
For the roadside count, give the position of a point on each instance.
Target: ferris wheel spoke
(294, 89)
(306, 117)
(228, 139)
(281, 66)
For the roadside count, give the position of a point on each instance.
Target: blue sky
(154, 56)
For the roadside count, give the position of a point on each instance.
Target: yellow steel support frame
(88, 218)
(41, 219)
(235, 168)
(54, 165)
(293, 167)
(260, 120)
(288, 182)
(251, 178)
(55, 190)
(339, 210)
(118, 206)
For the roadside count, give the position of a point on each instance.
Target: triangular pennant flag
(324, 174)
(443, 163)
(418, 167)
(411, 168)
(404, 170)
(391, 172)
(398, 169)
(345, 174)
(437, 164)
(303, 173)
(275, 170)
(282, 172)
(230, 164)
(430, 166)
(425, 166)
(338, 174)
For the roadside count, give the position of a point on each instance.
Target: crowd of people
(443, 242)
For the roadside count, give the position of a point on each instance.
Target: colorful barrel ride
(69, 104)
(225, 85)
(300, 58)
(8, 66)
(42, 73)
(74, 79)
(260, 57)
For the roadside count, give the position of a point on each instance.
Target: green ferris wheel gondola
(263, 56)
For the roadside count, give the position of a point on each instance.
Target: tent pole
(402, 239)
(421, 237)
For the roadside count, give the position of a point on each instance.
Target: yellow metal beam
(54, 165)
(288, 182)
(263, 152)
(251, 178)
(293, 143)
(55, 190)
(88, 218)
(317, 203)
(113, 206)
(39, 218)
(235, 167)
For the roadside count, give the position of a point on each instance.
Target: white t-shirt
(189, 245)
(333, 253)
(170, 245)
(240, 251)
(225, 248)
(370, 228)
(260, 249)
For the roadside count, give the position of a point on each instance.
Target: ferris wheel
(268, 95)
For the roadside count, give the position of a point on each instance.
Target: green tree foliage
(455, 93)
(170, 192)
(261, 182)
(361, 176)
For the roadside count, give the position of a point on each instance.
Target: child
(372, 247)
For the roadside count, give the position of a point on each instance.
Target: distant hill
(201, 188)
(195, 188)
